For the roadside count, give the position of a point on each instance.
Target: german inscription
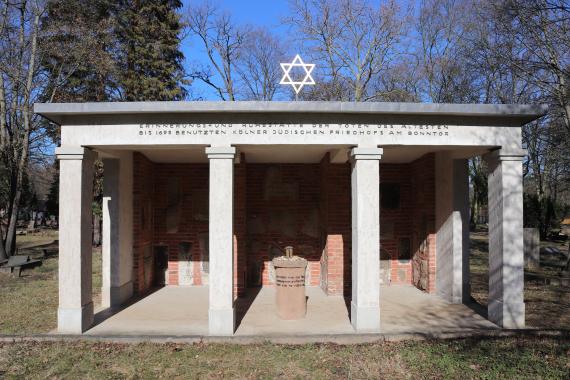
(290, 281)
(202, 129)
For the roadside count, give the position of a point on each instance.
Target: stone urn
(290, 285)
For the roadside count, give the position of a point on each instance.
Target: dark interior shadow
(243, 303)
(107, 313)
(477, 307)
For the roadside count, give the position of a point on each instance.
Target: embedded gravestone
(385, 267)
(185, 268)
(531, 248)
(203, 240)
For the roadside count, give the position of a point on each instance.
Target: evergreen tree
(80, 32)
(151, 62)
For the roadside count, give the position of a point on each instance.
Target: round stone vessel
(290, 287)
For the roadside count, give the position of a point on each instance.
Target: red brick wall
(282, 207)
(192, 181)
(336, 219)
(395, 223)
(307, 206)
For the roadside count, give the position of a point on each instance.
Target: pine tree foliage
(81, 33)
(151, 62)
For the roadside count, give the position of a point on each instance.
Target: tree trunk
(3, 254)
(23, 154)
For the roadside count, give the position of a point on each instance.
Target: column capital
(220, 152)
(503, 154)
(74, 153)
(366, 153)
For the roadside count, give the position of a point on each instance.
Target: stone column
(75, 312)
(365, 177)
(461, 246)
(506, 259)
(117, 286)
(452, 223)
(221, 317)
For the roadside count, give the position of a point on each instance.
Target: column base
(75, 320)
(457, 299)
(365, 319)
(221, 322)
(507, 315)
(116, 295)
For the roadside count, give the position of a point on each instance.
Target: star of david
(297, 62)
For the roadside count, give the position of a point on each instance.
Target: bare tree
(443, 27)
(223, 42)
(18, 69)
(259, 69)
(542, 32)
(23, 81)
(353, 41)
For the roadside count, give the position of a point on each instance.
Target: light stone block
(506, 259)
(221, 311)
(75, 312)
(452, 221)
(365, 304)
(117, 230)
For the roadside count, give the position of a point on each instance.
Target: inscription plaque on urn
(290, 297)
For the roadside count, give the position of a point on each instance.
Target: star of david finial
(307, 79)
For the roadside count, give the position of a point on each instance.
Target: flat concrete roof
(522, 113)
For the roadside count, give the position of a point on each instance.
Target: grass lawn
(458, 359)
(28, 304)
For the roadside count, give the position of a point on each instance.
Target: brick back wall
(307, 206)
(395, 223)
(282, 208)
(337, 231)
(188, 218)
(143, 221)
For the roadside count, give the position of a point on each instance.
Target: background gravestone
(531, 248)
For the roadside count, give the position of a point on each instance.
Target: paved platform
(183, 311)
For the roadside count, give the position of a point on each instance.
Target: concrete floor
(183, 311)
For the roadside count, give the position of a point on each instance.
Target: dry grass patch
(456, 359)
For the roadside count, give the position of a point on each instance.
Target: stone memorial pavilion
(198, 196)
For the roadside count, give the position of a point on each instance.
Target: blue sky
(255, 12)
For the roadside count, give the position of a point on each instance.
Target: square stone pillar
(461, 245)
(117, 286)
(365, 177)
(221, 316)
(506, 258)
(452, 223)
(75, 312)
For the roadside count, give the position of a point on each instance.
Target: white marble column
(365, 305)
(117, 286)
(221, 317)
(506, 259)
(75, 312)
(462, 283)
(452, 221)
